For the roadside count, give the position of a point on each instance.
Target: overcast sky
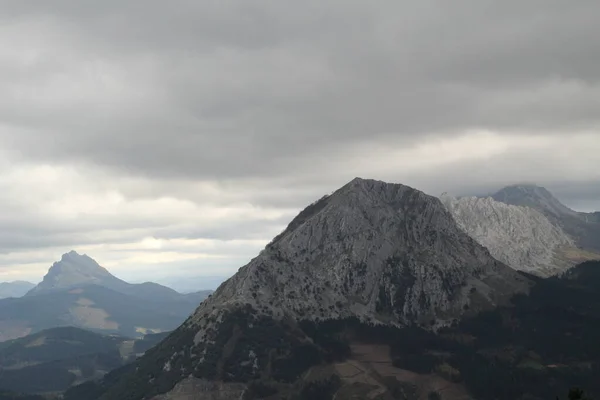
(177, 138)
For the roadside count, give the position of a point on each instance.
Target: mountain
(55, 359)
(519, 236)
(372, 252)
(77, 291)
(539, 347)
(75, 270)
(15, 289)
(535, 197)
(583, 227)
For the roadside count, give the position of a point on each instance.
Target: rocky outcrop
(375, 252)
(520, 237)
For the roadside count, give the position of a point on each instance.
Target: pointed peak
(532, 195)
(75, 269)
(358, 181)
(375, 186)
(72, 255)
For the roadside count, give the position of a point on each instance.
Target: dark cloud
(214, 91)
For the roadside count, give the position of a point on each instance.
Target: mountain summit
(533, 196)
(375, 252)
(74, 270)
(77, 291)
(369, 247)
(584, 228)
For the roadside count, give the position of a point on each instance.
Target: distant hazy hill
(15, 289)
(583, 227)
(75, 270)
(91, 307)
(77, 291)
(55, 359)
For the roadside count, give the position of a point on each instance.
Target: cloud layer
(182, 137)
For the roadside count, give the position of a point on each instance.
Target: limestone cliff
(520, 237)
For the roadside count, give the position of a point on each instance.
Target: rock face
(376, 252)
(520, 237)
(369, 248)
(583, 227)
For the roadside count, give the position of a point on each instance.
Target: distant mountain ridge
(15, 289)
(75, 270)
(584, 228)
(77, 291)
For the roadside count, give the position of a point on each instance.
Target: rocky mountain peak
(369, 248)
(75, 269)
(533, 196)
(375, 252)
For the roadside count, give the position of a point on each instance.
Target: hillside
(92, 307)
(372, 252)
(55, 359)
(538, 348)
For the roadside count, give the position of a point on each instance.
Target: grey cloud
(278, 103)
(246, 90)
